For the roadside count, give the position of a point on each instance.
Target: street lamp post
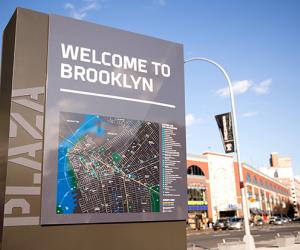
(248, 238)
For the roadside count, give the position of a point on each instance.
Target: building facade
(281, 169)
(265, 195)
(214, 189)
(297, 191)
(199, 196)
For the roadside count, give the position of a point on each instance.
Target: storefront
(228, 211)
(197, 208)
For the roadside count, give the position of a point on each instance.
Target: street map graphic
(107, 165)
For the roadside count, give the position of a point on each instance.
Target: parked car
(285, 219)
(278, 221)
(221, 224)
(259, 222)
(235, 223)
(272, 219)
(296, 219)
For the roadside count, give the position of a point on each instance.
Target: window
(248, 178)
(266, 185)
(262, 196)
(261, 183)
(195, 170)
(196, 194)
(255, 181)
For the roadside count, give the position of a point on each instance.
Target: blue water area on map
(66, 201)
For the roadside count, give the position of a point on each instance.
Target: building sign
(224, 122)
(114, 146)
(197, 203)
(199, 186)
(197, 207)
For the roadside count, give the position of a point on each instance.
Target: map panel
(107, 165)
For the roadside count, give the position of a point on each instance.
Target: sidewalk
(261, 245)
(201, 231)
(272, 244)
(295, 247)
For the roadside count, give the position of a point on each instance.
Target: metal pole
(248, 238)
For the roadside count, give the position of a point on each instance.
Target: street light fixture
(248, 238)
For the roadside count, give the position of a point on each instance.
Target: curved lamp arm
(236, 139)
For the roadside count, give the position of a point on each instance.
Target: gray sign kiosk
(93, 133)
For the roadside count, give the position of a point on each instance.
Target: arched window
(261, 183)
(196, 194)
(195, 170)
(255, 180)
(248, 178)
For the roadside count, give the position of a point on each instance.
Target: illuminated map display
(114, 129)
(107, 165)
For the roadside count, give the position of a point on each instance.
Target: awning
(254, 211)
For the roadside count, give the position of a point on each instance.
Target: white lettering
(91, 75)
(79, 71)
(136, 82)
(104, 55)
(104, 77)
(65, 71)
(85, 55)
(94, 59)
(130, 63)
(117, 61)
(142, 65)
(165, 70)
(148, 84)
(115, 78)
(156, 64)
(125, 85)
(69, 51)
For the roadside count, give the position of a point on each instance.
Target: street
(262, 235)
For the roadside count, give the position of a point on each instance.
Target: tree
(290, 210)
(284, 209)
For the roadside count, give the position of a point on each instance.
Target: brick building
(297, 191)
(213, 188)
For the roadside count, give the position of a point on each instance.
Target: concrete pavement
(264, 236)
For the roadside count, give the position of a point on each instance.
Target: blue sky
(257, 42)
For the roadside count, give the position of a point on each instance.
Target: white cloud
(160, 2)
(263, 87)
(249, 114)
(81, 13)
(190, 119)
(239, 87)
(69, 6)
